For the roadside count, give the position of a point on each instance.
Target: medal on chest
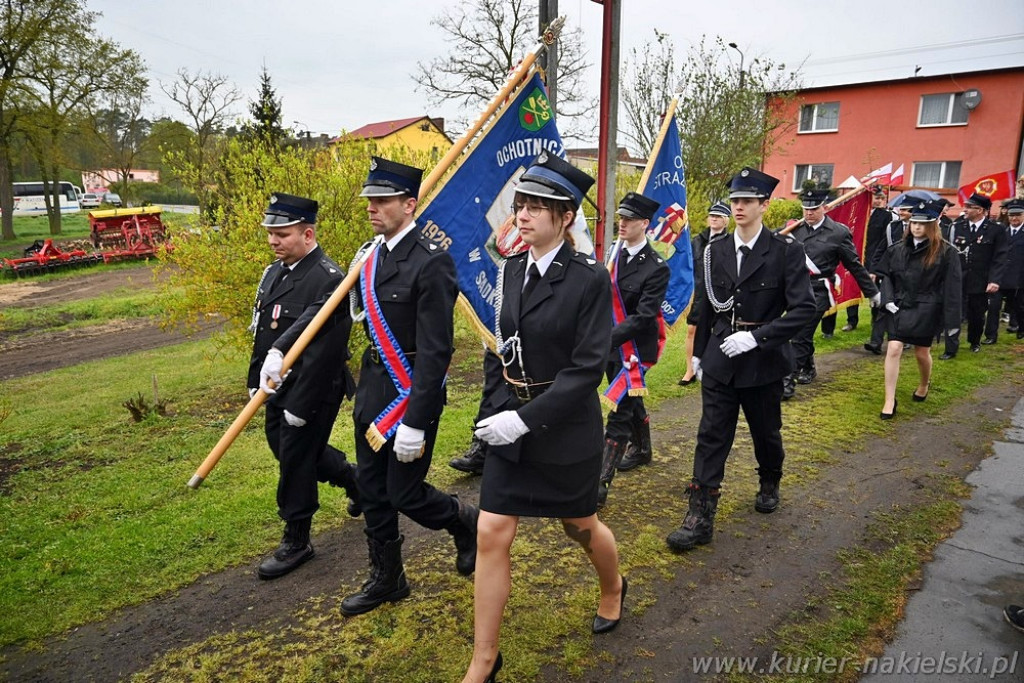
(275, 313)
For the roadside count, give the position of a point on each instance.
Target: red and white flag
(995, 186)
(897, 176)
(879, 176)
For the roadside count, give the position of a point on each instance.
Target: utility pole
(608, 126)
(548, 12)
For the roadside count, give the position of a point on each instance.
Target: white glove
(294, 420)
(501, 429)
(272, 370)
(408, 443)
(876, 300)
(892, 308)
(737, 343)
(252, 391)
(953, 332)
(698, 371)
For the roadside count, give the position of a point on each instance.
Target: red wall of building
(878, 125)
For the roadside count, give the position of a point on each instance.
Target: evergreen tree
(266, 114)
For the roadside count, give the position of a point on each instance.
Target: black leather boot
(295, 549)
(613, 453)
(807, 374)
(387, 579)
(639, 451)
(347, 479)
(472, 461)
(699, 524)
(463, 531)
(767, 500)
(788, 387)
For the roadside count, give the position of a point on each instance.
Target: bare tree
(488, 39)
(207, 100)
(724, 120)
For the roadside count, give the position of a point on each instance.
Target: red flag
(897, 176)
(853, 212)
(996, 186)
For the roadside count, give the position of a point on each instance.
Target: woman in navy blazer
(545, 442)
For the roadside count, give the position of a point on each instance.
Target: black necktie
(533, 275)
(280, 278)
(745, 250)
(382, 254)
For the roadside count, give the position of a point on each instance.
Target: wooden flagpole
(350, 279)
(665, 123)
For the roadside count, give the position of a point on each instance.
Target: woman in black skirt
(921, 293)
(544, 444)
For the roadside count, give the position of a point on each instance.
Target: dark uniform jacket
(986, 253)
(892, 235)
(565, 329)
(642, 284)
(878, 221)
(320, 374)
(773, 295)
(416, 288)
(830, 245)
(929, 299)
(1013, 271)
(698, 244)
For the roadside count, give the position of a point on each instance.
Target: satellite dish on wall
(972, 98)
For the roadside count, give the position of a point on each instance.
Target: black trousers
(828, 322)
(389, 487)
(803, 340)
(977, 307)
(762, 408)
(1004, 299)
(631, 411)
(304, 457)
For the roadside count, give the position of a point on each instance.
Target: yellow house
(420, 134)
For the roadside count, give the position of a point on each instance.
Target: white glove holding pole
(409, 443)
(876, 300)
(737, 343)
(294, 420)
(271, 370)
(252, 391)
(892, 308)
(501, 429)
(698, 372)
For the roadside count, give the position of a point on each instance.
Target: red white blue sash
(391, 355)
(630, 379)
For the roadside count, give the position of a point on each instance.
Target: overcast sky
(341, 65)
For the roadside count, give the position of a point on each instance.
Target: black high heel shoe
(602, 625)
(921, 399)
(492, 677)
(889, 416)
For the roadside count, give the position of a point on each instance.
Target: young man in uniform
(300, 413)
(826, 245)
(639, 280)
(407, 290)
(986, 259)
(758, 295)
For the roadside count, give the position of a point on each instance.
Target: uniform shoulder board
(787, 238)
(585, 259)
(428, 244)
(328, 265)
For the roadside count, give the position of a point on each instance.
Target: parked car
(112, 198)
(89, 200)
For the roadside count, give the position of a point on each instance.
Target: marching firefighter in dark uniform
(1011, 286)
(826, 245)
(758, 295)
(407, 293)
(639, 280)
(986, 259)
(878, 224)
(300, 413)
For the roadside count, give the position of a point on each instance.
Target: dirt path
(26, 354)
(725, 599)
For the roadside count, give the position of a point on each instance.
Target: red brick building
(946, 130)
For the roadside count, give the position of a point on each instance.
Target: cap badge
(273, 199)
(744, 173)
(542, 158)
(373, 164)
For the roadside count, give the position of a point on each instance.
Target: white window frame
(798, 184)
(943, 185)
(949, 111)
(814, 119)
